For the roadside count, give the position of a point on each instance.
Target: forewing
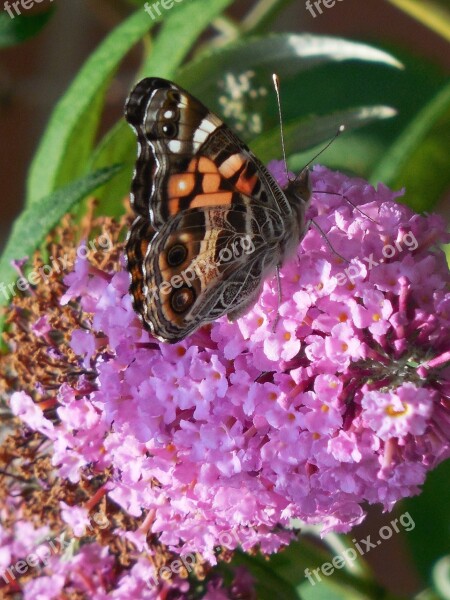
(187, 157)
(171, 125)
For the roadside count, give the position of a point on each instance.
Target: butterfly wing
(187, 157)
(203, 264)
(199, 193)
(170, 126)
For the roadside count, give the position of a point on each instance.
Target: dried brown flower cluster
(39, 362)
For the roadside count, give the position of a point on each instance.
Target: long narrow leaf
(308, 132)
(15, 30)
(39, 218)
(262, 15)
(427, 543)
(184, 23)
(68, 138)
(286, 54)
(419, 158)
(288, 571)
(435, 14)
(235, 81)
(117, 146)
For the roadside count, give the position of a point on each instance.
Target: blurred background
(35, 74)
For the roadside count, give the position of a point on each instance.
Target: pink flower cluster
(224, 438)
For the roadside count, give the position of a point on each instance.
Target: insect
(211, 222)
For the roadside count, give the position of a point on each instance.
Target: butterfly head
(299, 192)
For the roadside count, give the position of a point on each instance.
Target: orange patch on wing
(211, 183)
(174, 206)
(246, 186)
(220, 199)
(230, 166)
(181, 184)
(206, 165)
(193, 166)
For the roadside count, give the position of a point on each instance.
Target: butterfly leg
(349, 202)
(323, 234)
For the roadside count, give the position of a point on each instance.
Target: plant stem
(262, 15)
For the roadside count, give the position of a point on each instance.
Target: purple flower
(224, 438)
(22, 406)
(76, 517)
(394, 415)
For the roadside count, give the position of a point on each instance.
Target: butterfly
(211, 222)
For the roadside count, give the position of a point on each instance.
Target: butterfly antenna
(340, 130)
(276, 84)
(347, 199)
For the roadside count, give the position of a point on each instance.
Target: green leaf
(287, 54)
(39, 218)
(306, 133)
(441, 577)
(117, 146)
(236, 81)
(356, 83)
(435, 14)
(268, 583)
(184, 23)
(447, 253)
(418, 160)
(67, 142)
(203, 74)
(262, 16)
(288, 570)
(429, 540)
(353, 152)
(180, 29)
(18, 29)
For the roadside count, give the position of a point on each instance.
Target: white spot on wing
(175, 146)
(200, 136)
(208, 125)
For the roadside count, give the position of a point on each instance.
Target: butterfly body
(211, 222)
